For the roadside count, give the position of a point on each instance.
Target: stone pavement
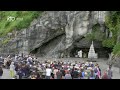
(6, 74)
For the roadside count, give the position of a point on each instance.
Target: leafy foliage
(22, 20)
(96, 34)
(113, 24)
(108, 43)
(116, 49)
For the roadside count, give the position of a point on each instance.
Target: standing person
(99, 72)
(92, 76)
(82, 74)
(1, 72)
(63, 72)
(96, 71)
(8, 63)
(68, 75)
(72, 71)
(33, 75)
(75, 74)
(16, 56)
(16, 67)
(48, 72)
(54, 72)
(12, 70)
(19, 73)
(29, 59)
(8, 57)
(26, 70)
(110, 73)
(5, 62)
(105, 76)
(59, 74)
(23, 69)
(38, 75)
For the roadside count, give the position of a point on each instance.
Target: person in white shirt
(5, 61)
(48, 72)
(16, 57)
(29, 59)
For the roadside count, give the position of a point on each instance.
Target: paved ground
(101, 63)
(6, 74)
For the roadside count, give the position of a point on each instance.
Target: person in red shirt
(105, 76)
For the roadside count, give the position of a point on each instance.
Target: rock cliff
(56, 33)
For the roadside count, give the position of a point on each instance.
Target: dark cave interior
(102, 52)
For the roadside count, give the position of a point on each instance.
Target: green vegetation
(22, 20)
(96, 34)
(90, 37)
(113, 24)
(116, 49)
(108, 43)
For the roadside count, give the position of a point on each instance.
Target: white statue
(80, 53)
(91, 53)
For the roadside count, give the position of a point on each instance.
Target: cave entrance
(74, 52)
(102, 52)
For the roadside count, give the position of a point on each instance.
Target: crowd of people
(29, 67)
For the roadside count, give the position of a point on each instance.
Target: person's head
(12, 63)
(90, 62)
(48, 67)
(58, 70)
(68, 72)
(95, 66)
(55, 67)
(75, 68)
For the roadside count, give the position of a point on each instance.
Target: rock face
(55, 32)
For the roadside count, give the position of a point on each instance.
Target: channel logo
(11, 18)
